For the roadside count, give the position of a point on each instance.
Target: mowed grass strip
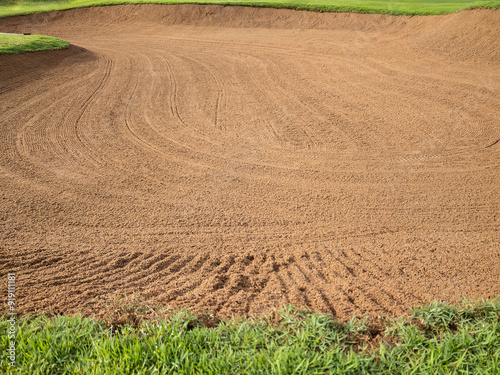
(397, 7)
(10, 44)
(436, 339)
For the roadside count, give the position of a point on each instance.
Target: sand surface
(237, 159)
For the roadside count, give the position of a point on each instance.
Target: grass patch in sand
(435, 339)
(10, 44)
(398, 7)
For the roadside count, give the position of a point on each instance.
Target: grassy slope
(10, 44)
(438, 339)
(410, 7)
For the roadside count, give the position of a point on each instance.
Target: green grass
(409, 7)
(10, 44)
(436, 339)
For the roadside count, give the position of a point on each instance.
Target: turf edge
(437, 338)
(14, 44)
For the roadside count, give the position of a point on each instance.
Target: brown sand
(237, 159)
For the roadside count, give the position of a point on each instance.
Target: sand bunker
(237, 159)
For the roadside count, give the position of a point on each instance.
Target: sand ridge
(236, 159)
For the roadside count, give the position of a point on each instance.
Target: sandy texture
(238, 159)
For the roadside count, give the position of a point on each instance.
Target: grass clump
(10, 44)
(447, 339)
(397, 7)
(437, 338)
